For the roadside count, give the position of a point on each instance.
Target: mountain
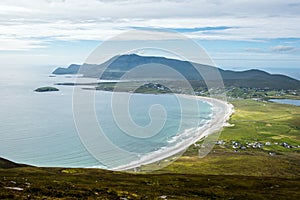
(72, 69)
(6, 164)
(117, 66)
(258, 79)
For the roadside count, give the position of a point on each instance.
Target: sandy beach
(222, 111)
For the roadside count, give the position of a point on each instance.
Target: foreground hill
(6, 164)
(58, 183)
(119, 65)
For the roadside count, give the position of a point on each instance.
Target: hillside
(117, 66)
(6, 164)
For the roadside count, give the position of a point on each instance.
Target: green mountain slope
(6, 164)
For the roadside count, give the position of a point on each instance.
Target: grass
(286, 96)
(253, 121)
(133, 86)
(223, 174)
(52, 183)
(264, 121)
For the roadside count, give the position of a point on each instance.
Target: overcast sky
(236, 33)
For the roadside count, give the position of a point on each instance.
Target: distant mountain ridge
(117, 66)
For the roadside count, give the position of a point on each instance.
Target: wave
(177, 144)
(174, 145)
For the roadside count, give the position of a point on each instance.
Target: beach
(222, 111)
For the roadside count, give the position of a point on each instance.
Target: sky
(237, 34)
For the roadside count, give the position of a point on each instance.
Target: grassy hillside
(6, 164)
(265, 122)
(56, 183)
(226, 173)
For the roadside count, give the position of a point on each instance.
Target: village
(237, 146)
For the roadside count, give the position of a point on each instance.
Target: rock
(46, 89)
(14, 188)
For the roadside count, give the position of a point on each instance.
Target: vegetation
(46, 89)
(253, 121)
(226, 173)
(258, 121)
(262, 94)
(52, 183)
(6, 164)
(135, 86)
(232, 92)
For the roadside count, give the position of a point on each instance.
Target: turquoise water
(286, 101)
(38, 128)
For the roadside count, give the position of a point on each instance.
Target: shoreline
(222, 111)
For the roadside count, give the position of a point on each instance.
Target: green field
(226, 173)
(265, 122)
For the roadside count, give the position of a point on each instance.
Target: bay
(38, 128)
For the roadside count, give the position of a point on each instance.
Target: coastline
(222, 111)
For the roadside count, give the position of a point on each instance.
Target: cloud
(273, 49)
(283, 49)
(254, 50)
(13, 44)
(203, 29)
(50, 20)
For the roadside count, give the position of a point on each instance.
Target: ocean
(39, 129)
(286, 101)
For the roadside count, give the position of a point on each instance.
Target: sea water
(38, 128)
(294, 102)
